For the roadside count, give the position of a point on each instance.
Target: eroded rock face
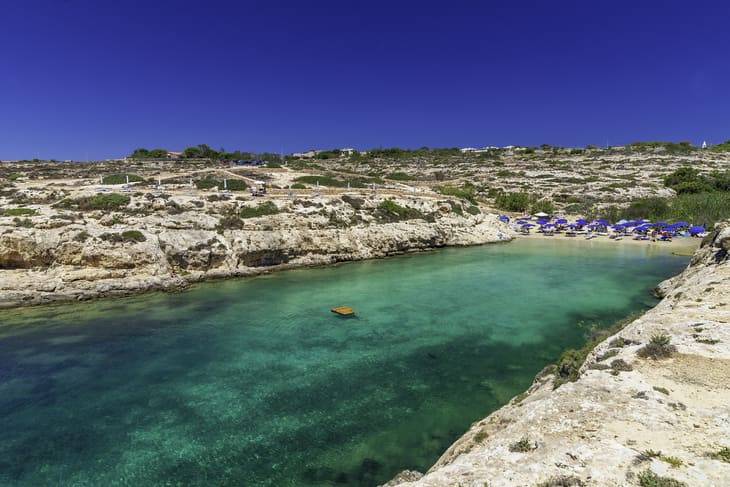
(87, 258)
(596, 431)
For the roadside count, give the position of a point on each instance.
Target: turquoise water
(255, 382)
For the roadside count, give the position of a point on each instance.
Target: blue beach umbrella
(561, 221)
(504, 218)
(696, 230)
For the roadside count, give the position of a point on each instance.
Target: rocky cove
(163, 242)
(622, 416)
(631, 416)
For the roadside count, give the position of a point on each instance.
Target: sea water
(255, 381)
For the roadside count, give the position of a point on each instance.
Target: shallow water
(255, 382)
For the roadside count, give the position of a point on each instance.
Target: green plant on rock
(263, 209)
(562, 481)
(111, 201)
(659, 347)
(647, 478)
(723, 454)
(390, 211)
(18, 212)
(121, 178)
(523, 445)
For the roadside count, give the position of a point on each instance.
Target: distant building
(348, 151)
(306, 155)
(474, 150)
(704, 144)
(174, 155)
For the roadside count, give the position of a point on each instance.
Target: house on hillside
(174, 155)
(306, 155)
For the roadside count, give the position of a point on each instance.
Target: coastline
(53, 266)
(592, 431)
(686, 245)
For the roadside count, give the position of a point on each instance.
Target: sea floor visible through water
(255, 381)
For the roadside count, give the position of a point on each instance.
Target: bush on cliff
(389, 211)
(111, 201)
(465, 192)
(659, 347)
(121, 178)
(17, 212)
(263, 209)
(129, 236)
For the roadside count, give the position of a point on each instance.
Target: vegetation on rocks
(121, 178)
(465, 192)
(18, 212)
(263, 209)
(111, 201)
(562, 481)
(390, 211)
(229, 184)
(523, 445)
(335, 182)
(723, 454)
(130, 236)
(659, 347)
(647, 478)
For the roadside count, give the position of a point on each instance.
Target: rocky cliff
(650, 405)
(72, 250)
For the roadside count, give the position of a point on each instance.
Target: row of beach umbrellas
(642, 226)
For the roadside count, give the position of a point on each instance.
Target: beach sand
(679, 246)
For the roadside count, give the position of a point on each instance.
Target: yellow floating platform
(343, 311)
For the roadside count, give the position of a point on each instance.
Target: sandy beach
(681, 245)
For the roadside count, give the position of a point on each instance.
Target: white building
(306, 155)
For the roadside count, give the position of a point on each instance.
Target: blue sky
(96, 79)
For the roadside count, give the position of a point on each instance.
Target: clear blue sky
(97, 79)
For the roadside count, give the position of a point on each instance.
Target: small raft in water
(343, 311)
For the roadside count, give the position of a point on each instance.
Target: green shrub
(298, 186)
(263, 209)
(331, 181)
(523, 445)
(111, 201)
(18, 212)
(513, 201)
(700, 208)
(400, 176)
(473, 210)
(659, 347)
(569, 364)
(235, 184)
(133, 236)
(23, 222)
(130, 236)
(722, 454)
(121, 178)
(390, 211)
(82, 236)
(465, 192)
(543, 205)
(208, 183)
(647, 478)
(229, 222)
(562, 481)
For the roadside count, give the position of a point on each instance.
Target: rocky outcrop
(92, 256)
(628, 416)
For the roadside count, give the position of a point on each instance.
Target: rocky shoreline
(166, 242)
(650, 403)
